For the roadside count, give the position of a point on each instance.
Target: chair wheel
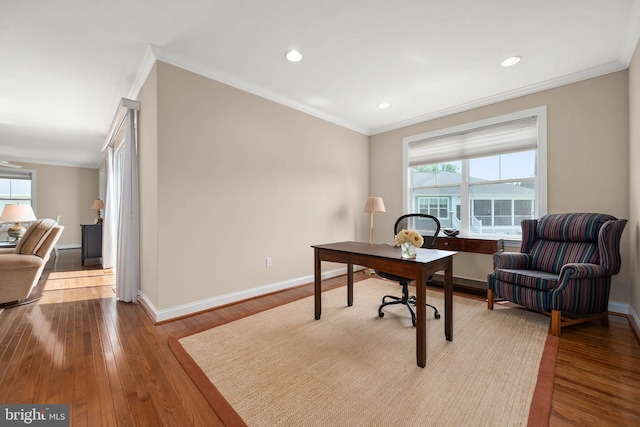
(436, 315)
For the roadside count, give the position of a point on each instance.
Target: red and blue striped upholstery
(566, 263)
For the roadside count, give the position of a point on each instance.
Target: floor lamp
(373, 205)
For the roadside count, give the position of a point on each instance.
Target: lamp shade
(374, 204)
(97, 204)
(18, 213)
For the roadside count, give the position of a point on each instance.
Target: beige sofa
(21, 268)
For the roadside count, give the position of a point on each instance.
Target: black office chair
(429, 227)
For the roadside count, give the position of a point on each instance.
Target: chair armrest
(581, 271)
(511, 260)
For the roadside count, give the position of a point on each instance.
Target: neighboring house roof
(450, 178)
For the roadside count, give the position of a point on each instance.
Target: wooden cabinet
(91, 241)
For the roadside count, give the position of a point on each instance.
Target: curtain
(111, 205)
(128, 247)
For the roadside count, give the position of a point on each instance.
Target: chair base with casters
(428, 226)
(405, 299)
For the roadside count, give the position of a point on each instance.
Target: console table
(91, 241)
(485, 245)
(476, 245)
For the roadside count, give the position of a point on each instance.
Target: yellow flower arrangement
(411, 236)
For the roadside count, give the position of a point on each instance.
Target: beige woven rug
(351, 368)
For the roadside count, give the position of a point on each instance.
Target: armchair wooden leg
(490, 299)
(604, 320)
(556, 318)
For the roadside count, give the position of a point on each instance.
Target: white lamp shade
(374, 204)
(18, 213)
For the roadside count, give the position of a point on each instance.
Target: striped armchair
(564, 267)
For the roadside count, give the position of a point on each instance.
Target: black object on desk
(91, 241)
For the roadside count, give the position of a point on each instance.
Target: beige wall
(148, 164)
(633, 228)
(587, 164)
(234, 179)
(68, 192)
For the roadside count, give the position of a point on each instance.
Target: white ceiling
(65, 65)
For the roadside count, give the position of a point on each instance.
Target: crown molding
(156, 53)
(144, 69)
(611, 67)
(196, 67)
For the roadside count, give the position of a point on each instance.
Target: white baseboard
(618, 307)
(71, 246)
(204, 305)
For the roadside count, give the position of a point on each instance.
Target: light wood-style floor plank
(78, 346)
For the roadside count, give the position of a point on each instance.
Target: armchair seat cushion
(534, 279)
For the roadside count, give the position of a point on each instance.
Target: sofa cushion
(35, 236)
(533, 279)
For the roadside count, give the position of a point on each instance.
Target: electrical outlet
(268, 262)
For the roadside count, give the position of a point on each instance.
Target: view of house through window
(486, 180)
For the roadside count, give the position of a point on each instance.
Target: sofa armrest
(511, 260)
(4, 251)
(16, 262)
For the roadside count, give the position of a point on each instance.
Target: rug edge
(541, 402)
(218, 403)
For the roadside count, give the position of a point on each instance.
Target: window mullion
(465, 209)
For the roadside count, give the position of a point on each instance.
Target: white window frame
(541, 163)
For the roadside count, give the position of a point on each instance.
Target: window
(482, 178)
(15, 187)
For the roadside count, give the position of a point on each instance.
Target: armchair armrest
(581, 271)
(511, 260)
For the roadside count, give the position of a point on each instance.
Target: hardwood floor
(78, 346)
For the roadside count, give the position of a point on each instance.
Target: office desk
(387, 258)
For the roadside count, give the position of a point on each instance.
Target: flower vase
(408, 250)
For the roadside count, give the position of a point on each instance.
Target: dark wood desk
(387, 258)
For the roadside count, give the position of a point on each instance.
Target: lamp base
(16, 231)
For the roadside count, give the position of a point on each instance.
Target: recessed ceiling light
(383, 105)
(512, 60)
(293, 56)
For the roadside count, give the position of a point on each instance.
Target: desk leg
(349, 285)
(317, 283)
(448, 301)
(421, 319)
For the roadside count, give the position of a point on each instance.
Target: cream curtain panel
(121, 228)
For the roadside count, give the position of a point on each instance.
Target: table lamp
(98, 205)
(17, 214)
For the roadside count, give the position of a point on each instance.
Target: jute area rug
(281, 367)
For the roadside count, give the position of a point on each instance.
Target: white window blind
(506, 137)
